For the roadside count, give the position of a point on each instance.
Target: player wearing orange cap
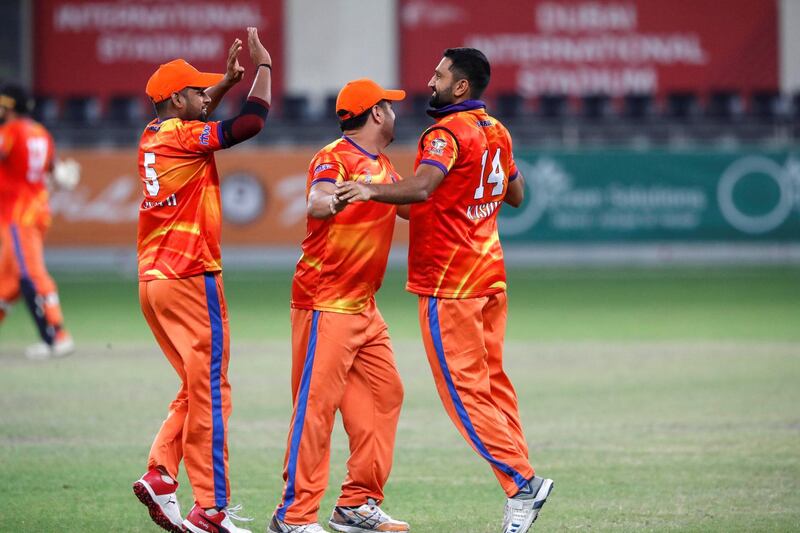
(341, 353)
(180, 279)
(464, 171)
(27, 163)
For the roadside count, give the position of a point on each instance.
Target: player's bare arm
(516, 192)
(404, 211)
(233, 75)
(262, 61)
(412, 190)
(253, 114)
(322, 201)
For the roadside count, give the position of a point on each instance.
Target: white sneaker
(39, 351)
(160, 499)
(368, 517)
(522, 510)
(277, 525)
(198, 521)
(62, 347)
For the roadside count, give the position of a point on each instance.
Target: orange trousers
(464, 342)
(345, 362)
(189, 319)
(23, 272)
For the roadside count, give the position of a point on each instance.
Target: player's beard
(203, 116)
(440, 99)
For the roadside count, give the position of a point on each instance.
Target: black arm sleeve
(246, 124)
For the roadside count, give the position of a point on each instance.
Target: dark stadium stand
(676, 119)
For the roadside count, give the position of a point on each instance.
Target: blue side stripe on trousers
(217, 423)
(436, 335)
(299, 417)
(23, 268)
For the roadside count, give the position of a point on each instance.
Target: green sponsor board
(627, 195)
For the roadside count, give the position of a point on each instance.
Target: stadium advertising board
(586, 197)
(599, 46)
(631, 196)
(108, 47)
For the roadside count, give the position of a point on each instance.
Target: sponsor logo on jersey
(366, 178)
(437, 146)
(323, 166)
(485, 123)
(479, 211)
(205, 134)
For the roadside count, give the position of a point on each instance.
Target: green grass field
(658, 400)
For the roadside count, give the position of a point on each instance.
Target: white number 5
(496, 176)
(151, 178)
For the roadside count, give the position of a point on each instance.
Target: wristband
(265, 65)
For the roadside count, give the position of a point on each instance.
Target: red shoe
(160, 499)
(198, 521)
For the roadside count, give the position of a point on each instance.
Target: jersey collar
(466, 105)
(351, 141)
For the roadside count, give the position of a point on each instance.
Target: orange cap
(175, 76)
(359, 95)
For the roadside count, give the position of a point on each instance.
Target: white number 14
(496, 176)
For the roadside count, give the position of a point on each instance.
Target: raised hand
(258, 54)
(234, 71)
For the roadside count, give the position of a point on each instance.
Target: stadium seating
(81, 110)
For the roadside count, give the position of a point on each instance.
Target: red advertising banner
(262, 191)
(100, 48)
(599, 46)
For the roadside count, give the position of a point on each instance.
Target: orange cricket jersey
(180, 217)
(26, 156)
(344, 257)
(454, 249)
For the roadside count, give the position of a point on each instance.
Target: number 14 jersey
(454, 249)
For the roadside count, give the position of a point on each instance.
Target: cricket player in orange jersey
(464, 171)
(180, 278)
(27, 162)
(341, 353)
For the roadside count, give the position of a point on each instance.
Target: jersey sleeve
(438, 147)
(326, 170)
(200, 137)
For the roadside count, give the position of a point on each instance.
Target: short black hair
(23, 103)
(357, 122)
(161, 107)
(472, 65)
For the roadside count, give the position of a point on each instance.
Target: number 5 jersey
(180, 218)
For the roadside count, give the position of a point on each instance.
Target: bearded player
(464, 171)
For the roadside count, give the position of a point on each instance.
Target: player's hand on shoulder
(234, 71)
(258, 54)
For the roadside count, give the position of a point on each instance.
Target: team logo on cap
(437, 146)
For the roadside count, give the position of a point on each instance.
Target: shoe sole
(156, 514)
(353, 529)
